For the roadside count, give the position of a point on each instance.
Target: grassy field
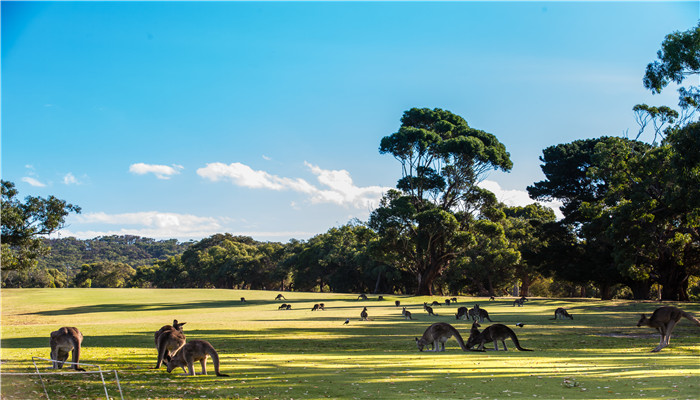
(300, 354)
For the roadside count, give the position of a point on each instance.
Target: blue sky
(184, 119)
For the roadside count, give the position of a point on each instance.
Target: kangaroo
(561, 313)
(406, 313)
(492, 298)
(436, 303)
(664, 319)
(169, 339)
(321, 306)
(447, 302)
(63, 341)
(397, 303)
(437, 334)
(243, 300)
(454, 299)
(280, 297)
(289, 307)
(316, 307)
(362, 297)
(479, 313)
(520, 302)
(363, 314)
(493, 333)
(196, 350)
(380, 298)
(462, 313)
(282, 307)
(429, 309)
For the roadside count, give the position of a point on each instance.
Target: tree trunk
(641, 290)
(673, 280)
(605, 290)
(379, 280)
(525, 285)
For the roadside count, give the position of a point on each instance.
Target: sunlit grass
(300, 354)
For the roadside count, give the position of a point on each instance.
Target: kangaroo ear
(416, 339)
(174, 322)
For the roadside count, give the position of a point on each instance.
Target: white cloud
(518, 198)
(33, 182)
(266, 158)
(69, 179)
(341, 189)
(160, 171)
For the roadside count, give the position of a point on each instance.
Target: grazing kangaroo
(520, 302)
(282, 307)
(280, 297)
(493, 333)
(437, 334)
(561, 313)
(363, 314)
(362, 297)
(406, 313)
(447, 302)
(64, 341)
(462, 313)
(380, 298)
(242, 299)
(196, 350)
(454, 299)
(316, 307)
(429, 309)
(664, 319)
(436, 303)
(397, 303)
(168, 340)
(479, 313)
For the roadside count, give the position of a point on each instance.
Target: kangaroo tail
(690, 317)
(517, 342)
(460, 340)
(215, 359)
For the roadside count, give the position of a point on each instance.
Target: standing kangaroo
(429, 309)
(169, 339)
(437, 334)
(64, 341)
(196, 350)
(493, 333)
(406, 313)
(664, 319)
(561, 313)
(462, 313)
(478, 313)
(364, 315)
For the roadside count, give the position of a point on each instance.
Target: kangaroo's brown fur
(169, 339)
(561, 313)
(664, 319)
(493, 333)
(64, 341)
(437, 334)
(196, 350)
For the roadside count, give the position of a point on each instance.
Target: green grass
(299, 354)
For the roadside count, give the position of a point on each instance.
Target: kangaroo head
(420, 344)
(178, 325)
(643, 320)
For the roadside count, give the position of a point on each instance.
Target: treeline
(513, 253)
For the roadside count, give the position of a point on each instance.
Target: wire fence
(65, 376)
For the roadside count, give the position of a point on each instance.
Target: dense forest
(631, 225)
